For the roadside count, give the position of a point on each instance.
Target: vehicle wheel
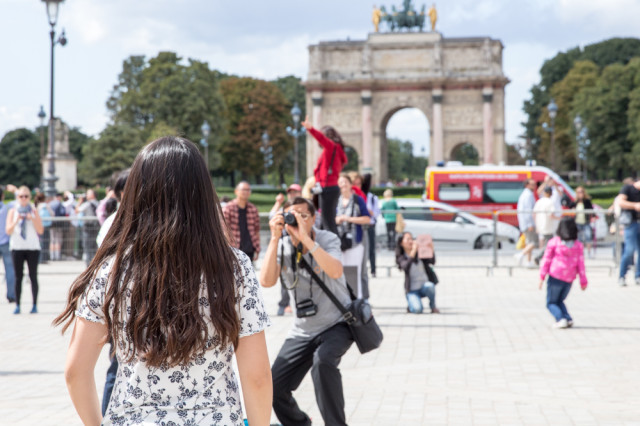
(484, 241)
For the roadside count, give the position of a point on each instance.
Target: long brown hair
(166, 242)
(333, 134)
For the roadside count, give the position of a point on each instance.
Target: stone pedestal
(66, 164)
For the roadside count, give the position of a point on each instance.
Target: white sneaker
(561, 324)
(519, 257)
(531, 265)
(622, 282)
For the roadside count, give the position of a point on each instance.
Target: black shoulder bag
(357, 315)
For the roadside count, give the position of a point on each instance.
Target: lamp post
(552, 108)
(582, 142)
(206, 131)
(267, 151)
(296, 132)
(41, 116)
(52, 14)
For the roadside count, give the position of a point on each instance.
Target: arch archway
(466, 153)
(353, 159)
(405, 143)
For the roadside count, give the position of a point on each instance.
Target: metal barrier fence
(461, 239)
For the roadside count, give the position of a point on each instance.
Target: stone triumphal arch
(458, 83)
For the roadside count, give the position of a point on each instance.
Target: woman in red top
(330, 164)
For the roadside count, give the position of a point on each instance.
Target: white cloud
(87, 20)
(619, 16)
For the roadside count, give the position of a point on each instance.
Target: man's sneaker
(531, 265)
(622, 282)
(561, 324)
(569, 323)
(519, 257)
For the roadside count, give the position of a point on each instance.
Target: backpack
(59, 210)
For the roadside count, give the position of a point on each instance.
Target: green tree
(114, 150)
(402, 163)
(294, 92)
(253, 106)
(165, 90)
(615, 50)
(20, 158)
(467, 154)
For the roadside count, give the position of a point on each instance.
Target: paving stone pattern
(489, 358)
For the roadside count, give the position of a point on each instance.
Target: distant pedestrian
(351, 215)
(328, 168)
(629, 202)
(58, 227)
(45, 214)
(583, 220)
(243, 221)
(88, 207)
(373, 205)
(563, 260)
(419, 278)
(5, 251)
(389, 205)
(526, 202)
(545, 218)
(24, 225)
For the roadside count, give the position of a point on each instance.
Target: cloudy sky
(264, 39)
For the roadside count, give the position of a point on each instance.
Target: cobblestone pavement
(489, 358)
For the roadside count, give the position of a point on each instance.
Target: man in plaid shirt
(243, 221)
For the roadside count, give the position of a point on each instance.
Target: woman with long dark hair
(327, 171)
(177, 301)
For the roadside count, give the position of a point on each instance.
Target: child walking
(563, 260)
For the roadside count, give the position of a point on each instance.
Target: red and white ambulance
(487, 188)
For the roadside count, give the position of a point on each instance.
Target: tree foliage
(554, 71)
(253, 107)
(19, 158)
(402, 163)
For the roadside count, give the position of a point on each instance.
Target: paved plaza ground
(489, 358)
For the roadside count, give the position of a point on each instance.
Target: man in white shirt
(546, 219)
(526, 203)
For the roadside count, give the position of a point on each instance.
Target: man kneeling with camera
(319, 336)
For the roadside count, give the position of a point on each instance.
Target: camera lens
(290, 219)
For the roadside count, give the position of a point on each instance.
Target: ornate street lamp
(206, 131)
(552, 108)
(577, 122)
(267, 151)
(41, 116)
(296, 132)
(52, 14)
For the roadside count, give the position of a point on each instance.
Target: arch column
(487, 121)
(313, 150)
(437, 150)
(367, 132)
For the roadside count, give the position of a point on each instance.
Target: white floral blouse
(203, 391)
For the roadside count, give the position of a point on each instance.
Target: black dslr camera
(306, 308)
(290, 219)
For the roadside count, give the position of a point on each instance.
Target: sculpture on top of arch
(407, 17)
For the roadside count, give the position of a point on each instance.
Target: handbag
(357, 315)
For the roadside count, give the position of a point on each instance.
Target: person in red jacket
(328, 168)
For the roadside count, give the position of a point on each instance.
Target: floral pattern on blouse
(203, 391)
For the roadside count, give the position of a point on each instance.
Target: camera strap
(345, 312)
(333, 156)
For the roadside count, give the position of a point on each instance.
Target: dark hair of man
(119, 182)
(301, 200)
(527, 182)
(567, 229)
(333, 134)
(167, 242)
(366, 183)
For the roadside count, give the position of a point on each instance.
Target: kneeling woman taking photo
(176, 300)
(419, 279)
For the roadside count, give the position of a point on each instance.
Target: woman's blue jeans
(631, 245)
(414, 298)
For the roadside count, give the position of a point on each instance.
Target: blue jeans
(9, 272)
(557, 291)
(631, 245)
(109, 382)
(414, 298)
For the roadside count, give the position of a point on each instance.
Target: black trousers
(391, 235)
(321, 354)
(31, 257)
(328, 204)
